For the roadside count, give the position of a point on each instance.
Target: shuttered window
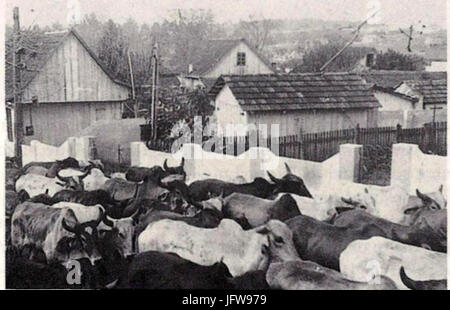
(241, 59)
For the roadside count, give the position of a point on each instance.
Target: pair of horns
(276, 180)
(167, 167)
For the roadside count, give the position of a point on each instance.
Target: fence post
(428, 137)
(399, 135)
(358, 134)
(349, 161)
(118, 153)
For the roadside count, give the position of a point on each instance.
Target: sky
(393, 12)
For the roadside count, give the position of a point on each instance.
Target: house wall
(227, 65)
(53, 123)
(71, 74)
(390, 102)
(437, 66)
(307, 121)
(228, 111)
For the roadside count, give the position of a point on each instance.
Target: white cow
(83, 213)
(387, 202)
(35, 184)
(240, 250)
(95, 180)
(363, 259)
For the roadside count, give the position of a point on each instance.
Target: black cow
(323, 243)
(260, 187)
(155, 270)
(138, 174)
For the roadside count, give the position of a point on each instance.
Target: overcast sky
(398, 12)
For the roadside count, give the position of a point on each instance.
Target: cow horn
(182, 163)
(407, 281)
(274, 179)
(165, 165)
(107, 220)
(287, 168)
(441, 188)
(73, 230)
(88, 171)
(63, 179)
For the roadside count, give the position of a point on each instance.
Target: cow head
(364, 200)
(351, 204)
(433, 201)
(175, 170)
(121, 235)
(68, 183)
(82, 243)
(139, 174)
(281, 245)
(69, 162)
(290, 183)
(284, 208)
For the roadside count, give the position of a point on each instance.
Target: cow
(418, 234)
(37, 170)
(138, 174)
(323, 243)
(35, 184)
(204, 189)
(259, 211)
(56, 231)
(53, 167)
(287, 271)
(156, 270)
(94, 179)
(380, 256)
(175, 170)
(207, 218)
(121, 189)
(240, 250)
(427, 285)
(306, 275)
(26, 273)
(431, 201)
(387, 202)
(91, 198)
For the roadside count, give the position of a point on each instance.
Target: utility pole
(155, 82)
(358, 29)
(17, 89)
(133, 92)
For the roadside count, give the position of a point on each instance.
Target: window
(100, 114)
(241, 59)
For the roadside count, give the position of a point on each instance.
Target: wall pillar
(72, 147)
(135, 153)
(349, 161)
(401, 165)
(34, 144)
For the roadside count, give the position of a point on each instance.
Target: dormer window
(240, 59)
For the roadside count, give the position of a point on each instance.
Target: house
(429, 93)
(64, 87)
(384, 86)
(224, 57)
(305, 102)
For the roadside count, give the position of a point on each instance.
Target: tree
(315, 58)
(392, 60)
(256, 32)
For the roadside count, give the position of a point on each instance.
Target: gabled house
(385, 87)
(65, 88)
(296, 102)
(224, 57)
(429, 93)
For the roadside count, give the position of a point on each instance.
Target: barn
(64, 88)
(297, 102)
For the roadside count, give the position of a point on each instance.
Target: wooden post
(358, 134)
(18, 113)
(399, 137)
(133, 92)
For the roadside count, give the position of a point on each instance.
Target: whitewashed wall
(77, 147)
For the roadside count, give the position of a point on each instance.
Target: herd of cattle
(148, 228)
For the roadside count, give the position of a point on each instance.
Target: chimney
(370, 60)
(190, 68)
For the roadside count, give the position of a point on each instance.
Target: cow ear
(288, 169)
(423, 197)
(411, 210)
(441, 188)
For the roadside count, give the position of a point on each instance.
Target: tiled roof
(298, 91)
(40, 47)
(433, 91)
(390, 79)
